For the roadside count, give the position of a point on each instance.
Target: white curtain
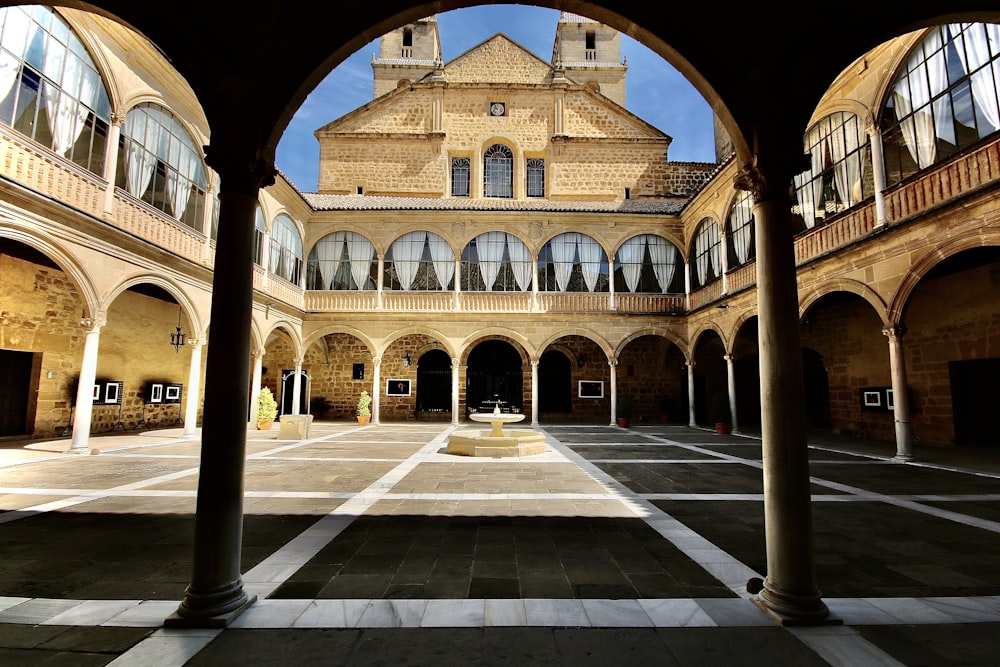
(361, 252)
(139, 163)
(328, 253)
(809, 187)
(18, 32)
(701, 254)
(846, 165)
(62, 111)
(630, 256)
(520, 262)
(714, 251)
(591, 258)
(406, 252)
(489, 249)
(178, 184)
(563, 253)
(741, 228)
(979, 37)
(913, 92)
(664, 257)
(443, 258)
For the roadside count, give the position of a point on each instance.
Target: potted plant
(318, 405)
(267, 409)
(364, 408)
(624, 412)
(719, 414)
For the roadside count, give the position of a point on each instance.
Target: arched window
(420, 261)
(648, 263)
(944, 99)
(260, 229)
(498, 171)
(572, 262)
(707, 255)
(740, 239)
(840, 175)
(159, 164)
(496, 262)
(342, 261)
(50, 89)
(286, 249)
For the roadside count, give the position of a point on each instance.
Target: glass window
(286, 249)
(496, 262)
(460, 176)
(944, 99)
(342, 261)
(159, 164)
(260, 229)
(648, 263)
(498, 171)
(840, 175)
(50, 89)
(536, 177)
(572, 262)
(421, 261)
(707, 255)
(740, 239)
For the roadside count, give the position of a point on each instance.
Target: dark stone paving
(652, 451)
(863, 549)
(24, 645)
(500, 557)
(462, 647)
(690, 477)
(119, 556)
(895, 479)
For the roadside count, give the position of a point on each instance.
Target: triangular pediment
(498, 60)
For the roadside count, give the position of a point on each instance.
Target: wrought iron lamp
(178, 337)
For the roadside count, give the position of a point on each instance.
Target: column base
(213, 609)
(790, 609)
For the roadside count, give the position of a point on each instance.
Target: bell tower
(590, 53)
(406, 54)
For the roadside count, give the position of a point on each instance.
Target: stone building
(500, 230)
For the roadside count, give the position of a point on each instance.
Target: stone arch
(169, 286)
(845, 285)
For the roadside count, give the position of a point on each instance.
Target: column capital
(94, 324)
(767, 180)
(241, 170)
(690, 364)
(894, 332)
(613, 361)
(729, 357)
(376, 361)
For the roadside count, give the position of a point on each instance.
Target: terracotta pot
(623, 422)
(364, 419)
(722, 428)
(264, 424)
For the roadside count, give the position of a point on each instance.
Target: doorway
(288, 392)
(494, 378)
(15, 387)
(974, 394)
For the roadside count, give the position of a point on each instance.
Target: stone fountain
(496, 443)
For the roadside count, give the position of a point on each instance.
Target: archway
(494, 377)
(434, 385)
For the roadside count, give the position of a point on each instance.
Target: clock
(498, 109)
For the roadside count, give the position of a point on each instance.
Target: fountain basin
(496, 443)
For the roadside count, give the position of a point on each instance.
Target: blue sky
(655, 92)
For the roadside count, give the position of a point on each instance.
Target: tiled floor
(368, 546)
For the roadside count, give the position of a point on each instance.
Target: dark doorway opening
(434, 383)
(15, 387)
(555, 385)
(817, 390)
(494, 378)
(975, 394)
(288, 391)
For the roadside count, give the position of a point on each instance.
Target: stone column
(258, 357)
(691, 419)
(193, 388)
(297, 387)
(379, 286)
(731, 383)
(454, 390)
(111, 159)
(900, 393)
(789, 591)
(534, 392)
(376, 389)
(215, 596)
(613, 365)
(84, 410)
(612, 297)
(878, 173)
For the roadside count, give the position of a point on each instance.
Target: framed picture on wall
(590, 389)
(889, 404)
(113, 392)
(172, 393)
(97, 392)
(154, 392)
(871, 399)
(397, 387)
